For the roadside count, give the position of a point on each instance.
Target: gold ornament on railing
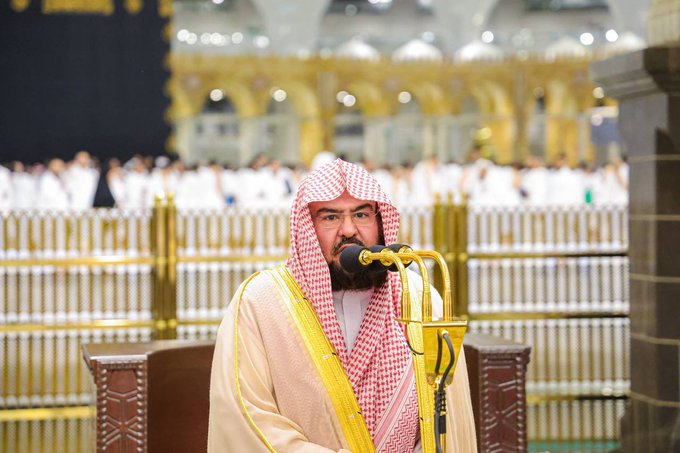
(104, 7)
(20, 5)
(165, 8)
(134, 6)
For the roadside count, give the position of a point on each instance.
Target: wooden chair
(154, 397)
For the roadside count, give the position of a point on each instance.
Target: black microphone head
(396, 248)
(377, 266)
(349, 259)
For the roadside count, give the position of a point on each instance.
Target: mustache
(347, 241)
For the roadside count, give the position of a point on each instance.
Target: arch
(431, 97)
(306, 105)
(483, 98)
(370, 98)
(303, 98)
(501, 122)
(239, 94)
(562, 110)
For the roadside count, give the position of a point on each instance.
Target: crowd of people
(84, 183)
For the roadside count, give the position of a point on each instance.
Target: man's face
(339, 224)
(334, 239)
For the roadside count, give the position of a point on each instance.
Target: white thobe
(427, 181)
(535, 183)
(386, 181)
(81, 183)
(6, 196)
(136, 189)
(565, 187)
(52, 193)
(24, 187)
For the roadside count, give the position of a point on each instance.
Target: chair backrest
(179, 399)
(151, 395)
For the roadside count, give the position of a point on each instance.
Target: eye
(362, 215)
(329, 218)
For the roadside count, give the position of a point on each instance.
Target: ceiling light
(611, 35)
(487, 36)
(279, 95)
(216, 95)
(586, 38)
(404, 97)
(182, 35)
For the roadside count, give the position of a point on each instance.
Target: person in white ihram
(312, 359)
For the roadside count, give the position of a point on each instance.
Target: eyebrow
(337, 211)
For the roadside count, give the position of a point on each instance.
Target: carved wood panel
(497, 385)
(121, 406)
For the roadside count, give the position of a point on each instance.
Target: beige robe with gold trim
(282, 390)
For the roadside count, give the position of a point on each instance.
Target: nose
(347, 228)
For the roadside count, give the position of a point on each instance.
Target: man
(81, 181)
(311, 359)
(52, 190)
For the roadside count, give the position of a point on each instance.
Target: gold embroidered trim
(326, 362)
(260, 434)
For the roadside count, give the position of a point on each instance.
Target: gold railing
(555, 279)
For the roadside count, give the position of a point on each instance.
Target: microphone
(349, 259)
(377, 265)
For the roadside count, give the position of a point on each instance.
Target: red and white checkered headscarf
(380, 357)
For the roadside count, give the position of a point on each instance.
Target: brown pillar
(647, 85)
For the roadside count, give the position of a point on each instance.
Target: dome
(479, 51)
(417, 50)
(566, 47)
(357, 49)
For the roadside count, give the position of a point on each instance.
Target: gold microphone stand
(427, 338)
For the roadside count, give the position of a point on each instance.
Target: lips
(344, 244)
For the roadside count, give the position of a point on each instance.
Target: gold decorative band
(100, 324)
(515, 316)
(104, 7)
(242, 403)
(326, 362)
(91, 261)
(511, 255)
(42, 413)
(536, 400)
(232, 259)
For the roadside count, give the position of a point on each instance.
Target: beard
(358, 281)
(362, 280)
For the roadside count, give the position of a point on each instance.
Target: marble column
(647, 85)
(663, 22)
